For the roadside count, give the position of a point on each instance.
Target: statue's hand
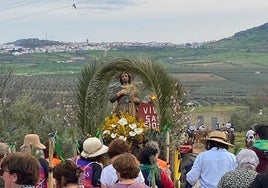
(122, 92)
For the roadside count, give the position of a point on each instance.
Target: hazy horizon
(176, 21)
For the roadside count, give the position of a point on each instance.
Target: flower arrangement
(125, 127)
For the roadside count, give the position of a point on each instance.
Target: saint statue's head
(125, 78)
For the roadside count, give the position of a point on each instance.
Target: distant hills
(254, 38)
(35, 42)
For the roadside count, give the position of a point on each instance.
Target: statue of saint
(126, 96)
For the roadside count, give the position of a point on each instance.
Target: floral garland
(125, 127)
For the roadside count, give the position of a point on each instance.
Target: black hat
(262, 131)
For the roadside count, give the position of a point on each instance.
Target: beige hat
(217, 136)
(4, 148)
(92, 147)
(33, 140)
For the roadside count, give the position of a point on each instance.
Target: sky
(176, 21)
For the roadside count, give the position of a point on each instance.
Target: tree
(4, 100)
(245, 119)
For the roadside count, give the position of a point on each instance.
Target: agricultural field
(209, 76)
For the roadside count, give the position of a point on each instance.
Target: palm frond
(94, 84)
(83, 87)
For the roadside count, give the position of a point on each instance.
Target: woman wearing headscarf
(244, 174)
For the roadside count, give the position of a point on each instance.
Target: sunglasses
(2, 171)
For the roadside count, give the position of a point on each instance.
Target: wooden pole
(50, 172)
(75, 149)
(167, 144)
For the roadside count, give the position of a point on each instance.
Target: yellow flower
(126, 128)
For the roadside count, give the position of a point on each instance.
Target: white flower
(132, 126)
(132, 133)
(113, 135)
(113, 125)
(138, 130)
(123, 138)
(122, 121)
(106, 132)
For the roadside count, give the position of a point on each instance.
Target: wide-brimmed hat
(92, 147)
(33, 140)
(4, 148)
(217, 136)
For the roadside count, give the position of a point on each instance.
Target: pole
(167, 144)
(50, 172)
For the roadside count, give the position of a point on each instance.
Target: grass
(239, 142)
(218, 108)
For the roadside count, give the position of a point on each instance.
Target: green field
(241, 72)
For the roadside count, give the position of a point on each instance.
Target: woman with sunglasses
(20, 170)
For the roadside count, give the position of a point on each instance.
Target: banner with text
(147, 112)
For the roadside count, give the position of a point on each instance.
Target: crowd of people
(114, 166)
(217, 167)
(90, 168)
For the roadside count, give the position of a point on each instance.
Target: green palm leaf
(93, 89)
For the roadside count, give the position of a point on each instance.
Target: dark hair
(262, 131)
(129, 77)
(100, 158)
(116, 147)
(211, 143)
(26, 167)
(145, 154)
(153, 144)
(46, 150)
(126, 165)
(66, 172)
(260, 181)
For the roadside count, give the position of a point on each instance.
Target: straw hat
(217, 136)
(92, 147)
(4, 148)
(33, 140)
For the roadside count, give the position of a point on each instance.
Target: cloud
(130, 20)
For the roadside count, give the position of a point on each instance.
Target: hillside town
(12, 48)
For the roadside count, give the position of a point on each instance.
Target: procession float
(155, 114)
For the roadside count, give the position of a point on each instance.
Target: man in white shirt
(211, 165)
(202, 127)
(228, 125)
(191, 133)
(250, 135)
(191, 128)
